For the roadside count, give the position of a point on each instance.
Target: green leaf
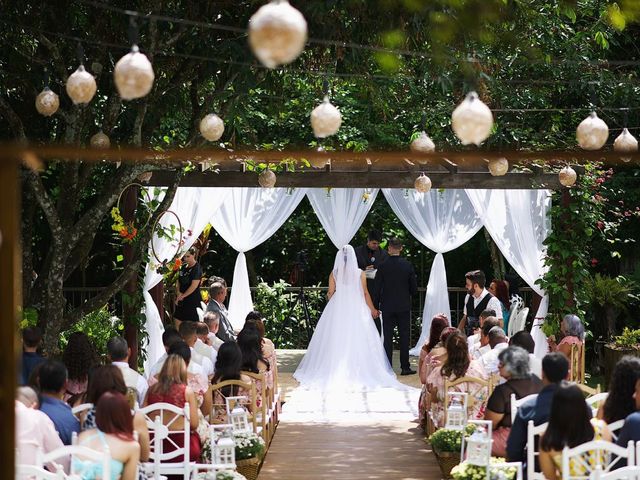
(119, 258)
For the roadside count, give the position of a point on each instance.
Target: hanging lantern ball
(319, 162)
(47, 102)
(211, 127)
(325, 119)
(423, 144)
(133, 75)
(277, 33)
(567, 176)
(498, 167)
(422, 184)
(472, 120)
(625, 142)
(81, 86)
(592, 133)
(100, 140)
(267, 179)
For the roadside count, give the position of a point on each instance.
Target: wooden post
(10, 301)
(129, 205)
(157, 293)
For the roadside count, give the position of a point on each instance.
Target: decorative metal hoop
(155, 224)
(146, 193)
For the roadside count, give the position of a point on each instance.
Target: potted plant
(466, 471)
(608, 297)
(446, 444)
(249, 450)
(628, 343)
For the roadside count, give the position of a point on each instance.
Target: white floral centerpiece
(224, 475)
(466, 471)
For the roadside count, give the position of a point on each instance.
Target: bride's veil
(345, 267)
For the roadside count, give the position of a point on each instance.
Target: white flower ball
(423, 144)
(100, 140)
(212, 127)
(472, 120)
(277, 33)
(325, 119)
(47, 102)
(422, 183)
(81, 86)
(625, 142)
(133, 75)
(267, 179)
(592, 133)
(567, 176)
(498, 167)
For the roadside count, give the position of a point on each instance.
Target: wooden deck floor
(359, 450)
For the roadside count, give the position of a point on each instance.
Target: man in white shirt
(169, 337)
(212, 320)
(497, 342)
(477, 299)
(474, 340)
(525, 340)
(483, 346)
(188, 333)
(119, 352)
(202, 345)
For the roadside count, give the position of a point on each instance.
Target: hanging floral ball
(47, 102)
(211, 127)
(472, 120)
(81, 86)
(325, 119)
(423, 144)
(145, 177)
(625, 142)
(498, 167)
(592, 133)
(133, 75)
(567, 176)
(100, 140)
(422, 183)
(267, 179)
(277, 33)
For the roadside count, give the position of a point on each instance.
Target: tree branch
(15, 123)
(45, 202)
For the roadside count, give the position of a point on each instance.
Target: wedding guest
(621, 401)
(631, 428)
(119, 351)
(497, 342)
(187, 331)
(169, 337)
(114, 431)
(31, 339)
(228, 367)
(370, 256)
(513, 365)
(474, 340)
(212, 320)
(477, 299)
(570, 424)
(252, 358)
(217, 295)
(34, 430)
(438, 323)
(52, 379)
(189, 298)
(525, 340)
(268, 348)
(79, 357)
(572, 331)
(172, 388)
(500, 290)
(202, 345)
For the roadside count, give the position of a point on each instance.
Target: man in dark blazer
(217, 294)
(394, 285)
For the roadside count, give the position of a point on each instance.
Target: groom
(395, 283)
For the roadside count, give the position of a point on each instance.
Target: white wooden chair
(80, 409)
(78, 453)
(159, 418)
(33, 472)
(534, 431)
(594, 401)
(579, 462)
(515, 403)
(630, 472)
(614, 428)
(518, 323)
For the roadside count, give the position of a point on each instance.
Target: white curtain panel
(248, 217)
(194, 207)
(442, 220)
(517, 222)
(341, 211)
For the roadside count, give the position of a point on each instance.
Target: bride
(346, 351)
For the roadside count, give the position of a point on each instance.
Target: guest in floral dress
(228, 367)
(253, 361)
(438, 323)
(79, 357)
(268, 348)
(458, 364)
(572, 331)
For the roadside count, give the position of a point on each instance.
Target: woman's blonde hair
(173, 371)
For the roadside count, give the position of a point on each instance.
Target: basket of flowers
(249, 450)
(446, 444)
(466, 471)
(222, 475)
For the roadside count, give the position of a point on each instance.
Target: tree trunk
(129, 205)
(497, 260)
(54, 301)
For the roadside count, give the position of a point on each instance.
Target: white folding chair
(159, 418)
(584, 458)
(614, 428)
(630, 472)
(78, 454)
(533, 431)
(515, 403)
(594, 401)
(33, 472)
(85, 407)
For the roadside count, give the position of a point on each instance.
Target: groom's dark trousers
(389, 322)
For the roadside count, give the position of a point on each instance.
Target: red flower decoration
(594, 262)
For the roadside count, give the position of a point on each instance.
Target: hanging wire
(46, 77)
(132, 31)
(80, 53)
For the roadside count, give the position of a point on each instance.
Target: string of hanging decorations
(277, 34)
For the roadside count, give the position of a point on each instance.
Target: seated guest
(212, 320)
(555, 368)
(513, 364)
(172, 388)
(79, 357)
(34, 430)
(482, 345)
(500, 290)
(631, 428)
(474, 340)
(268, 348)
(53, 379)
(114, 431)
(570, 425)
(524, 340)
(119, 352)
(202, 345)
(620, 402)
(31, 338)
(217, 294)
(457, 365)
(108, 378)
(252, 359)
(188, 333)
(438, 323)
(169, 337)
(228, 367)
(572, 331)
(497, 342)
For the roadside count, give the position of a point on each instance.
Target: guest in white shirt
(525, 340)
(188, 333)
(477, 300)
(212, 320)
(202, 345)
(474, 340)
(482, 346)
(497, 342)
(169, 337)
(119, 353)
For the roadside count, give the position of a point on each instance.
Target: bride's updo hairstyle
(457, 361)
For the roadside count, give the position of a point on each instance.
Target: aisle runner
(381, 404)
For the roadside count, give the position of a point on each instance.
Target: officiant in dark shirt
(370, 256)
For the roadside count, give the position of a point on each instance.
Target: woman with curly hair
(620, 402)
(458, 364)
(79, 357)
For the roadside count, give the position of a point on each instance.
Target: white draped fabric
(341, 211)
(248, 217)
(517, 222)
(194, 207)
(442, 220)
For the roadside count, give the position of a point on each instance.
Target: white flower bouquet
(466, 471)
(248, 445)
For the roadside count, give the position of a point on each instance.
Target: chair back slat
(533, 436)
(516, 402)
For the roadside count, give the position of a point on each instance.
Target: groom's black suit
(395, 283)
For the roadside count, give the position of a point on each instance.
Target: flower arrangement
(169, 267)
(248, 445)
(466, 471)
(366, 195)
(126, 231)
(223, 475)
(449, 440)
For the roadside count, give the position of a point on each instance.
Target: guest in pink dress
(268, 348)
(228, 367)
(79, 357)
(252, 359)
(438, 324)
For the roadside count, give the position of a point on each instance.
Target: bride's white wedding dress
(345, 369)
